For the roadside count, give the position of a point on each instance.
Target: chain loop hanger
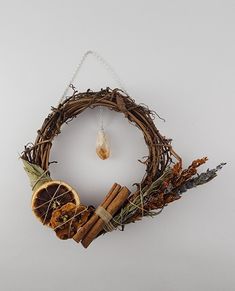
(103, 62)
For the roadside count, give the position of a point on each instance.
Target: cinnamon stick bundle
(113, 207)
(111, 204)
(108, 199)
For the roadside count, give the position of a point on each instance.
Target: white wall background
(175, 56)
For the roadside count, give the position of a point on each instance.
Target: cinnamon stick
(89, 224)
(113, 207)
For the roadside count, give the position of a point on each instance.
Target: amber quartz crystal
(102, 145)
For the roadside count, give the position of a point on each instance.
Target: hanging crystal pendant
(102, 145)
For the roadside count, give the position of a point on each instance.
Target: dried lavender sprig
(200, 179)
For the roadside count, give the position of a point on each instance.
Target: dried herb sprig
(164, 190)
(138, 204)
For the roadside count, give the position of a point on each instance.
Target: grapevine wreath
(57, 205)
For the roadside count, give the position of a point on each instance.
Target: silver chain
(103, 62)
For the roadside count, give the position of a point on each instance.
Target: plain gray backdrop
(175, 56)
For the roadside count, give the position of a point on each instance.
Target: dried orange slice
(66, 220)
(51, 196)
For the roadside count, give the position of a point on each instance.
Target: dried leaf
(36, 174)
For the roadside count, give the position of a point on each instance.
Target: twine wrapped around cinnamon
(106, 217)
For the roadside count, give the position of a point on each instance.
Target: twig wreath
(57, 205)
